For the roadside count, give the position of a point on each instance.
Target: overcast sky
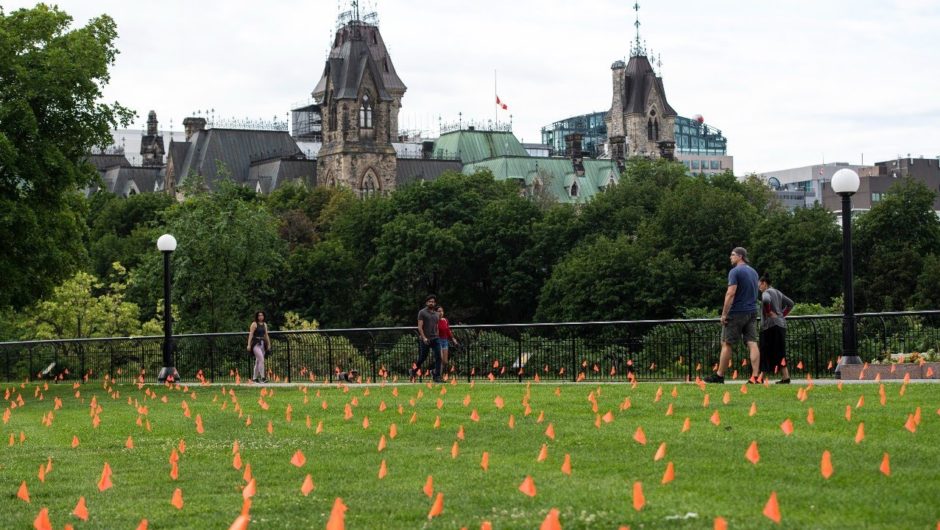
(789, 83)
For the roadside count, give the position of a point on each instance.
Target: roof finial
(637, 45)
(355, 6)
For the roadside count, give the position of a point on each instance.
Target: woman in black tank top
(259, 343)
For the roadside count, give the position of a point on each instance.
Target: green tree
(700, 223)
(891, 242)
(320, 283)
(50, 119)
(83, 307)
(123, 230)
(927, 295)
(225, 264)
(801, 251)
(614, 279)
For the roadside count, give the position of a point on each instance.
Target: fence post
(689, 349)
(574, 361)
(817, 362)
(519, 356)
(884, 334)
(289, 355)
(372, 358)
(468, 354)
(329, 355)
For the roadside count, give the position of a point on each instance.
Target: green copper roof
(556, 175)
(474, 146)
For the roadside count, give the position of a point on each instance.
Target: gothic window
(574, 189)
(345, 118)
(370, 185)
(649, 129)
(332, 106)
(365, 113)
(656, 129)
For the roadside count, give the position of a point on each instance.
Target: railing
(572, 351)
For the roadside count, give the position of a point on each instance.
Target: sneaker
(783, 381)
(715, 378)
(752, 381)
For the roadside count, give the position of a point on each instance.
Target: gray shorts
(740, 324)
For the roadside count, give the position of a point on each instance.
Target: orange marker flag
(716, 418)
(174, 471)
(246, 476)
(498, 401)
(910, 424)
(298, 459)
(551, 521)
(474, 416)
(104, 482)
(608, 417)
(772, 509)
(199, 428)
(860, 433)
(74, 441)
(670, 473)
(337, 516)
(23, 492)
(669, 410)
(660, 453)
(543, 453)
(720, 524)
(753, 410)
(485, 461)
(885, 465)
(382, 443)
(726, 398)
(240, 523)
(638, 499)
(639, 436)
(177, 500)
(512, 421)
(550, 431)
(787, 427)
(437, 507)
(307, 486)
(129, 444)
(42, 472)
(528, 486)
(454, 450)
(810, 416)
(861, 402)
(566, 465)
(686, 425)
(250, 489)
(42, 520)
(429, 486)
(825, 467)
(383, 470)
(237, 461)
(752, 454)
(848, 413)
(81, 511)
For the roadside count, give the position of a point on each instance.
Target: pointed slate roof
(639, 80)
(358, 47)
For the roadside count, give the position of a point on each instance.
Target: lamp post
(845, 182)
(167, 244)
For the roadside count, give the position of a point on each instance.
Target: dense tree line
(653, 246)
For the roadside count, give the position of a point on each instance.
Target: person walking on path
(428, 319)
(773, 330)
(445, 336)
(259, 343)
(739, 316)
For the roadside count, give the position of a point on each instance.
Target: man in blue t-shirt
(739, 316)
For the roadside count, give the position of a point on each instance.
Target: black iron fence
(593, 351)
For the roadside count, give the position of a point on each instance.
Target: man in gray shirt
(773, 330)
(428, 318)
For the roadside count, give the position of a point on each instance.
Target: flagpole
(495, 95)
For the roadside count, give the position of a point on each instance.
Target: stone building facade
(360, 96)
(151, 144)
(640, 121)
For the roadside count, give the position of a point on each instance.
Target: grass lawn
(443, 431)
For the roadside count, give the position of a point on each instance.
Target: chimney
(427, 148)
(193, 125)
(617, 151)
(573, 152)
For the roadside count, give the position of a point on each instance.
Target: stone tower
(151, 144)
(360, 96)
(640, 117)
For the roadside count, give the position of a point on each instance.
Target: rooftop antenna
(659, 64)
(355, 6)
